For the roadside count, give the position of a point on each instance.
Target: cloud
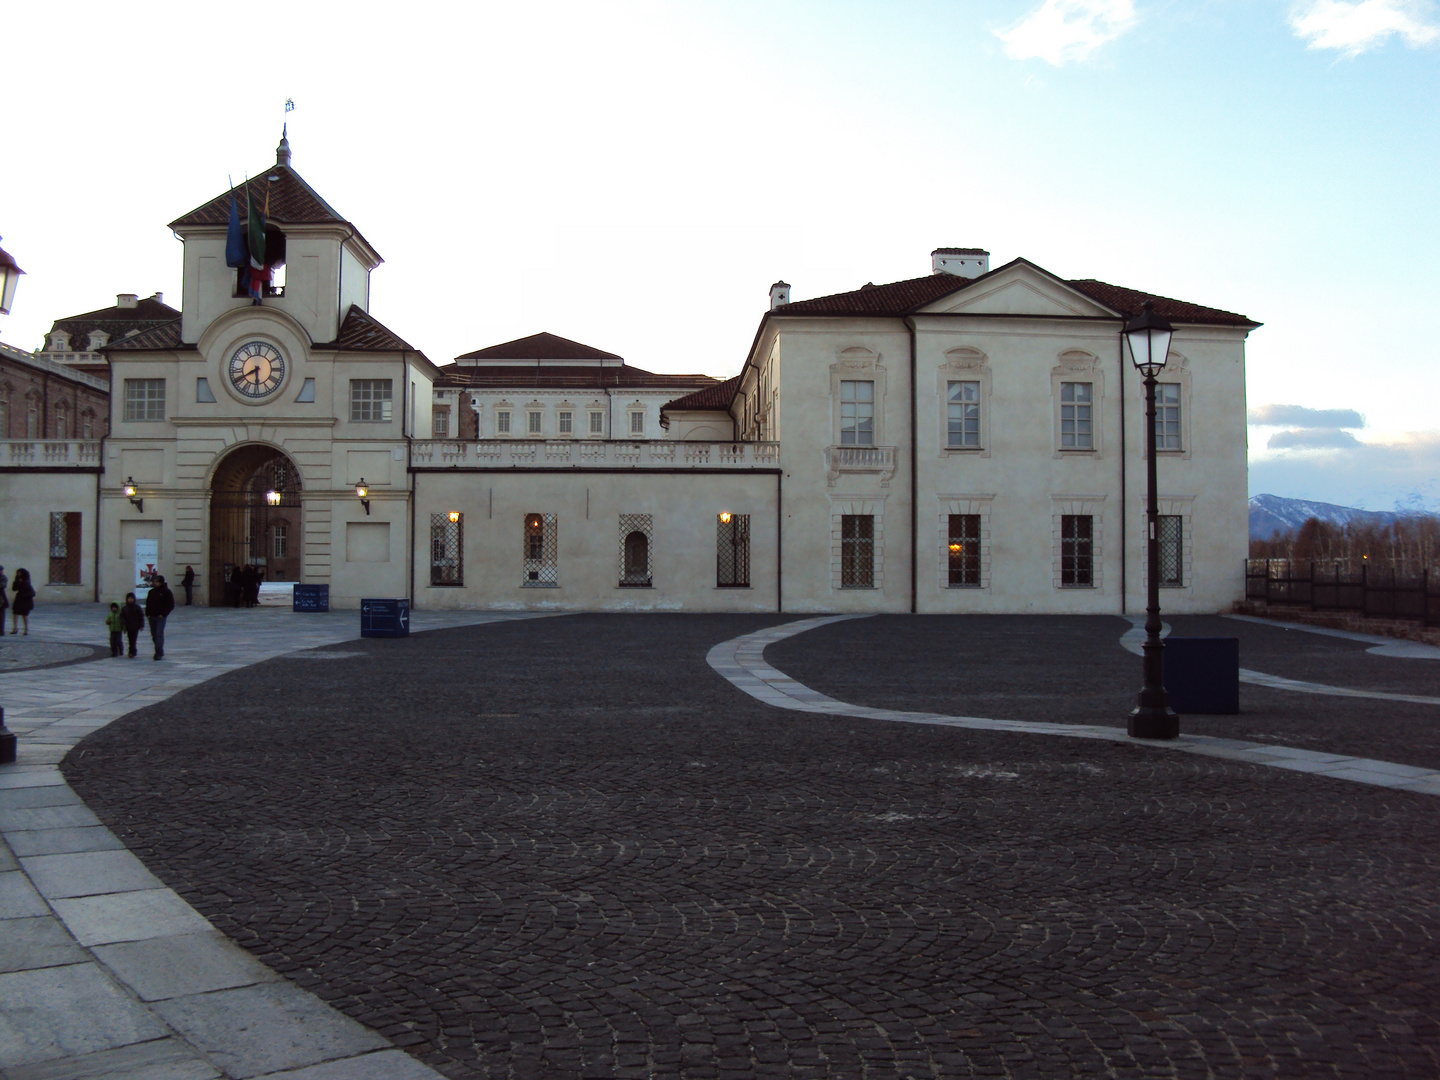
(1375, 475)
(1353, 26)
(1312, 439)
(1300, 416)
(1062, 30)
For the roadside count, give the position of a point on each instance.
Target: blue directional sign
(385, 618)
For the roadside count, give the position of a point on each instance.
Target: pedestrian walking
(24, 601)
(132, 618)
(4, 600)
(159, 602)
(116, 626)
(188, 581)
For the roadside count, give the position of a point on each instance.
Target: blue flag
(236, 254)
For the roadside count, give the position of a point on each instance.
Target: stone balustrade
(860, 459)
(50, 453)
(593, 454)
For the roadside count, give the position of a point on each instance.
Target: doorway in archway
(256, 521)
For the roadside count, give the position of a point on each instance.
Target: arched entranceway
(255, 520)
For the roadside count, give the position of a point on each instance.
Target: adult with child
(132, 618)
(24, 602)
(159, 603)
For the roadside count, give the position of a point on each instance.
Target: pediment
(1018, 289)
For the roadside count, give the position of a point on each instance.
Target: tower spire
(282, 152)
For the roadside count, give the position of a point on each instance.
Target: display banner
(147, 554)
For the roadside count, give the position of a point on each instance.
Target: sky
(635, 175)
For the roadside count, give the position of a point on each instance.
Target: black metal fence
(1380, 593)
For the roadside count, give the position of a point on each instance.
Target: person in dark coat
(159, 603)
(132, 618)
(4, 600)
(188, 582)
(24, 600)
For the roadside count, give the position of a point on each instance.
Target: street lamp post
(1152, 717)
(9, 277)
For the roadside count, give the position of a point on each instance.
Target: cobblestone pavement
(567, 848)
(19, 653)
(1030, 667)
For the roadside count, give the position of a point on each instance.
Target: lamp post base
(1149, 722)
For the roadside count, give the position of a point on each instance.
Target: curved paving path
(567, 848)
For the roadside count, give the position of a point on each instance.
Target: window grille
(964, 551)
(144, 399)
(567, 423)
(1076, 432)
(279, 541)
(533, 419)
(441, 426)
(502, 422)
(637, 423)
(370, 400)
(1170, 534)
(732, 551)
(857, 412)
(1167, 416)
(963, 417)
(447, 550)
(636, 557)
(857, 551)
(1077, 549)
(597, 423)
(541, 551)
(65, 548)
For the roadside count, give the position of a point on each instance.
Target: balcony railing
(39, 453)
(592, 454)
(860, 459)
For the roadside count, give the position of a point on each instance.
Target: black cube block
(1202, 675)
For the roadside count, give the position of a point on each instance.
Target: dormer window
(98, 340)
(59, 341)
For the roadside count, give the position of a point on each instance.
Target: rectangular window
(567, 423)
(1167, 416)
(1077, 550)
(447, 549)
(502, 422)
(144, 399)
(597, 423)
(1170, 534)
(65, 548)
(857, 412)
(370, 400)
(964, 551)
(857, 551)
(541, 561)
(1076, 432)
(279, 541)
(637, 423)
(532, 421)
(732, 551)
(963, 417)
(441, 423)
(636, 558)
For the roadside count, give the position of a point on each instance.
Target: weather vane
(289, 104)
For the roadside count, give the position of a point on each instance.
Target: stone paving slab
(18, 898)
(36, 942)
(128, 916)
(87, 873)
(64, 840)
(173, 966)
(156, 1059)
(39, 1009)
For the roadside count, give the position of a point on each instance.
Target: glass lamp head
(1149, 337)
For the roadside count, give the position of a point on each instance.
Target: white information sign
(147, 554)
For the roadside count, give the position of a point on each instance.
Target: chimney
(779, 294)
(127, 299)
(962, 262)
(159, 298)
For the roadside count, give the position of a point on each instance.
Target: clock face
(256, 370)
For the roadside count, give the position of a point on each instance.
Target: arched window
(4, 412)
(87, 424)
(637, 555)
(32, 415)
(62, 422)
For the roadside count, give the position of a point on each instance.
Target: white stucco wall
(27, 499)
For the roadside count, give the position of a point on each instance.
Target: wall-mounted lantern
(129, 491)
(9, 277)
(454, 517)
(362, 492)
(272, 497)
(725, 517)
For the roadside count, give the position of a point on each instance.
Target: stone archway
(251, 526)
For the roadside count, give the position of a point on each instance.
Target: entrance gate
(256, 519)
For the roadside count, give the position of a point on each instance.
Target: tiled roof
(115, 321)
(292, 202)
(717, 396)
(907, 297)
(959, 251)
(362, 332)
(539, 347)
(164, 336)
(558, 377)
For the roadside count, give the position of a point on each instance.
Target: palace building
(966, 440)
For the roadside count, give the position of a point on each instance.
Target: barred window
(1170, 535)
(279, 541)
(447, 549)
(541, 569)
(963, 416)
(857, 412)
(964, 551)
(597, 423)
(144, 399)
(636, 557)
(65, 548)
(1076, 432)
(732, 551)
(1167, 416)
(1077, 549)
(857, 551)
(441, 423)
(502, 422)
(533, 419)
(370, 400)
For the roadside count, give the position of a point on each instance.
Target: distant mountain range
(1270, 514)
